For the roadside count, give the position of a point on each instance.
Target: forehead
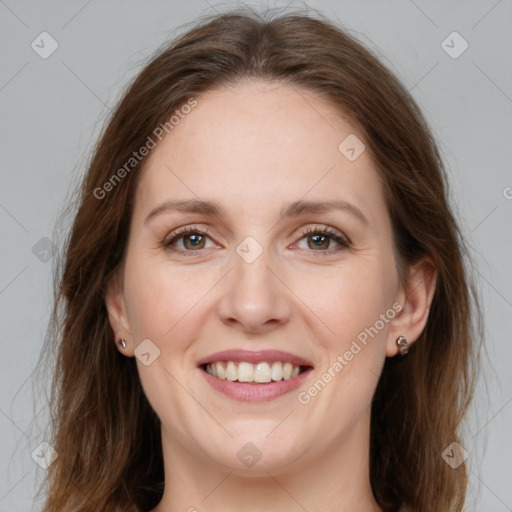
(259, 144)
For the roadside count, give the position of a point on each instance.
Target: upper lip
(251, 356)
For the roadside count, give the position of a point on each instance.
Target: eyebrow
(300, 207)
(292, 210)
(187, 206)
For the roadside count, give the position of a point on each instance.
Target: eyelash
(174, 236)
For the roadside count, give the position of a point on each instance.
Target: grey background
(52, 109)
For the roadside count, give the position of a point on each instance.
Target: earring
(403, 345)
(122, 343)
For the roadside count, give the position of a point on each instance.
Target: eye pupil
(193, 239)
(319, 240)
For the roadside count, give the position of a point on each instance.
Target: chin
(256, 456)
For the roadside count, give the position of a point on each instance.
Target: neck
(334, 481)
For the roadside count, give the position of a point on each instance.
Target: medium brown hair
(104, 430)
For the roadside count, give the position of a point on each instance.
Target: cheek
(160, 296)
(348, 301)
(163, 302)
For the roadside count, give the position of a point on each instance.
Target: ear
(415, 298)
(117, 316)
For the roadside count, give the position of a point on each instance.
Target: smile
(257, 373)
(254, 376)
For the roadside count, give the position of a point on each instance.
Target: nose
(254, 299)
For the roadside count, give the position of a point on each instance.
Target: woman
(263, 237)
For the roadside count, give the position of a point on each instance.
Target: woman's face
(287, 262)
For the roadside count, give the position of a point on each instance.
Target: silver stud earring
(403, 345)
(122, 343)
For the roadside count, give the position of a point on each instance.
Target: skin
(255, 148)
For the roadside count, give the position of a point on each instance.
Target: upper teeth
(247, 372)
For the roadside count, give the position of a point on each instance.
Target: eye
(321, 240)
(188, 239)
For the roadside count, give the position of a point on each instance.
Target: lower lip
(255, 392)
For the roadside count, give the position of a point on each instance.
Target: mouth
(260, 373)
(254, 376)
